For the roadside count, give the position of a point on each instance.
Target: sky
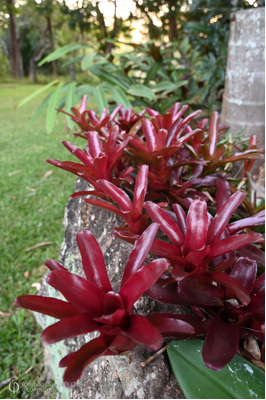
(124, 7)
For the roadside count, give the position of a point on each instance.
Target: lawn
(33, 198)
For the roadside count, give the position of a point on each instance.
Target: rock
(107, 377)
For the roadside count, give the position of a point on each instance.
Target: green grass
(31, 211)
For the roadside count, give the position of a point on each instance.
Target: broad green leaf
(87, 61)
(84, 89)
(100, 98)
(70, 102)
(123, 78)
(55, 55)
(36, 93)
(163, 74)
(239, 379)
(72, 61)
(120, 97)
(51, 110)
(185, 45)
(41, 107)
(169, 86)
(106, 76)
(152, 72)
(141, 91)
(199, 27)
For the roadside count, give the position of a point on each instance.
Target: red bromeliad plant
(175, 152)
(209, 253)
(100, 161)
(92, 305)
(209, 276)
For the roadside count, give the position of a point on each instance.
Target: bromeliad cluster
(160, 172)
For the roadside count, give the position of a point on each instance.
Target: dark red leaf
(174, 325)
(196, 257)
(83, 157)
(46, 305)
(200, 292)
(173, 132)
(213, 132)
(143, 332)
(120, 344)
(140, 252)
(114, 319)
(245, 271)
(82, 107)
(78, 291)
(221, 344)
(85, 355)
(105, 205)
(223, 192)
(224, 264)
(93, 261)
(255, 220)
(53, 265)
(95, 145)
(140, 187)
(233, 243)
(69, 327)
(116, 194)
(150, 134)
(142, 280)
(245, 155)
(114, 156)
(168, 226)
(166, 294)
(231, 283)
(257, 304)
(111, 302)
(196, 225)
(222, 216)
(259, 285)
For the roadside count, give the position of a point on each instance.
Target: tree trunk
(172, 34)
(32, 70)
(51, 37)
(72, 72)
(109, 46)
(38, 53)
(14, 45)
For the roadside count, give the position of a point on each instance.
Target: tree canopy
(31, 29)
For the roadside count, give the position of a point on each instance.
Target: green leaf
(100, 98)
(239, 379)
(51, 110)
(152, 72)
(106, 76)
(185, 45)
(41, 107)
(55, 55)
(87, 61)
(72, 61)
(169, 86)
(36, 93)
(120, 97)
(199, 27)
(141, 91)
(70, 102)
(84, 89)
